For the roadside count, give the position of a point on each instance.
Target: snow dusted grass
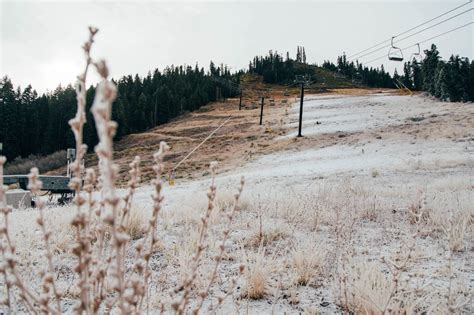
(333, 245)
(257, 274)
(309, 263)
(348, 259)
(356, 252)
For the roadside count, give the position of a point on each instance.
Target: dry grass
(415, 210)
(456, 227)
(135, 225)
(404, 281)
(256, 275)
(265, 237)
(225, 200)
(344, 254)
(62, 239)
(309, 263)
(370, 289)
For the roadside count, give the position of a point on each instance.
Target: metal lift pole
(240, 100)
(301, 109)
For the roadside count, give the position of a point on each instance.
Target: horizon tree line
(448, 80)
(451, 80)
(33, 124)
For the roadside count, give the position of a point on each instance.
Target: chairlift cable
(424, 41)
(202, 142)
(416, 33)
(411, 29)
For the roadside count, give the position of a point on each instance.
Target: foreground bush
(113, 273)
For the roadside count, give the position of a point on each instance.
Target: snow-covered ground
(392, 168)
(392, 155)
(345, 192)
(400, 148)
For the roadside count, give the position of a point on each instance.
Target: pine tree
(118, 115)
(30, 136)
(9, 134)
(90, 133)
(464, 70)
(137, 115)
(212, 69)
(440, 87)
(417, 78)
(470, 82)
(396, 77)
(164, 103)
(407, 75)
(428, 69)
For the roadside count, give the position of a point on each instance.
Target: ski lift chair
(416, 57)
(395, 53)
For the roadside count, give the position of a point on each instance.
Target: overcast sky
(40, 41)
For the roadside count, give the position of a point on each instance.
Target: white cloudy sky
(40, 41)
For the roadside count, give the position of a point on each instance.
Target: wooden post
(301, 109)
(240, 100)
(261, 111)
(154, 110)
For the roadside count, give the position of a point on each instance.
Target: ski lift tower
(304, 81)
(262, 94)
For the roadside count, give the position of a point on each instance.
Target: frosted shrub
(112, 246)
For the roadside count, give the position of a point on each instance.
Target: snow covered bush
(112, 248)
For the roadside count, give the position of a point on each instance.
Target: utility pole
(301, 109)
(261, 111)
(154, 110)
(304, 80)
(240, 100)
